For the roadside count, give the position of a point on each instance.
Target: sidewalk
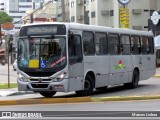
(13, 91)
(157, 74)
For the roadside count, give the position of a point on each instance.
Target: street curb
(45, 101)
(75, 100)
(157, 76)
(124, 98)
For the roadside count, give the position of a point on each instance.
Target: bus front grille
(39, 85)
(37, 80)
(40, 74)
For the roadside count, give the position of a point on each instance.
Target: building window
(72, 4)
(59, 15)
(25, 6)
(146, 10)
(111, 12)
(16, 16)
(145, 26)
(72, 18)
(93, 14)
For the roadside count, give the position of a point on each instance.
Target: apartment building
(17, 9)
(2, 5)
(106, 12)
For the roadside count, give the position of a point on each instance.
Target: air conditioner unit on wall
(80, 17)
(136, 11)
(137, 27)
(80, 2)
(105, 12)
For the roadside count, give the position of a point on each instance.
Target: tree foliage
(4, 17)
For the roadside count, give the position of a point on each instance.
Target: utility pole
(0, 36)
(31, 15)
(63, 10)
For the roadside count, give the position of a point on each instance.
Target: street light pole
(8, 65)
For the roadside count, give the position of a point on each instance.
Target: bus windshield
(41, 53)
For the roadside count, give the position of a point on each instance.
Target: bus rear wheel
(88, 87)
(135, 80)
(47, 93)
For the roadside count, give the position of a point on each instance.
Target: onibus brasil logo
(119, 66)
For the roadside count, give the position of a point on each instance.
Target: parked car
(15, 65)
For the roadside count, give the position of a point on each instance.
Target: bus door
(75, 62)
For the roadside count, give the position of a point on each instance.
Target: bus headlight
(60, 77)
(22, 78)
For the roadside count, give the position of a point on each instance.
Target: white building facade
(106, 12)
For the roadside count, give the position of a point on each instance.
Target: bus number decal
(119, 66)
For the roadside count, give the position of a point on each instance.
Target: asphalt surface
(147, 89)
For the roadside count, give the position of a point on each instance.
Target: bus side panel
(100, 66)
(76, 77)
(145, 64)
(137, 63)
(148, 66)
(120, 67)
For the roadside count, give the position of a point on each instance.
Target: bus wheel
(135, 80)
(88, 87)
(102, 88)
(47, 93)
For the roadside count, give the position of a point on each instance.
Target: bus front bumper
(43, 86)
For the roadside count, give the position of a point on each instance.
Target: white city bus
(64, 57)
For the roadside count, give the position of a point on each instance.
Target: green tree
(4, 17)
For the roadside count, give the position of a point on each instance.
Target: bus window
(145, 45)
(88, 43)
(125, 44)
(75, 49)
(101, 43)
(151, 45)
(113, 44)
(135, 44)
(53, 48)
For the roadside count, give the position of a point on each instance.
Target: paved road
(145, 105)
(99, 110)
(146, 87)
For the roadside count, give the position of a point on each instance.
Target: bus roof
(78, 26)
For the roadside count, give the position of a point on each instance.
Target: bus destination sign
(42, 30)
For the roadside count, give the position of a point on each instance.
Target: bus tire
(47, 94)
(102, 88)
(88, 87)
(135, 80)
